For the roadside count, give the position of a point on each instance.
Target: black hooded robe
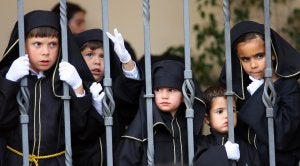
(170, 133)
(211, 151)
(89, 146)
(253, 125)
(46, 120)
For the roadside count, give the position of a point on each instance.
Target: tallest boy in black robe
(44, 71)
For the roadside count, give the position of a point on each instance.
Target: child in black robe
(90, 146)
(216, 143)
(45, 74)
(169, 122)
(248, 67)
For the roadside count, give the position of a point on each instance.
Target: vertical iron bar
(66, 96)
(23, 94)
(108, 101)
(269, 98)
(229, 92)
(188, 83)
(148, 95)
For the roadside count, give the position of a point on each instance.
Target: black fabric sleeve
(9, 108)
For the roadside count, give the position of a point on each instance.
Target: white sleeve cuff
(133, 74)
(80, 95)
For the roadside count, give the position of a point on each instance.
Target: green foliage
(293, 28)
(213, 51)
(210, 35)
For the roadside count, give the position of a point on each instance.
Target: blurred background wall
(166, 20)
(166, 25)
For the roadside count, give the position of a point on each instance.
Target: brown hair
(43, 32)
(92, 45)
(246, 37)
(212, 92)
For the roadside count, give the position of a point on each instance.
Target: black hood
(139, 132)
(168, 73)
(41, 18)
(89, 35)
(34, 19)
(287, 58)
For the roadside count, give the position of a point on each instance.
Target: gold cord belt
(34, 158)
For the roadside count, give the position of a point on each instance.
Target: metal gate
(109, 105)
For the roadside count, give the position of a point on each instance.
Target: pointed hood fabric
(41, 18)
(89, 35)
(287, 58)
(168, 73)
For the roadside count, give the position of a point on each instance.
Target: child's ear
(206, 119)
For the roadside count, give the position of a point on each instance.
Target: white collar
(38, 75)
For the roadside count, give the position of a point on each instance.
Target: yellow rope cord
(34, 158)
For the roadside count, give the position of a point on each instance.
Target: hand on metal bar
(69, 74)
(95, 89)
(232, 150)
(18, 69)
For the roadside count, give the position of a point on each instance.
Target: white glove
(254, 85)
(232, 150)
(95, 89)
(69, 74)
(18, 69)
(119, 46)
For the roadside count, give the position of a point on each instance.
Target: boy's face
(94, 60)
(42, 52)
(168, 99)
(218, 118)
(252, 57)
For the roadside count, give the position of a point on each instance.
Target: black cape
(211, 151)
(132, 149)
(49, 92)
(252, 117)
(90, 145)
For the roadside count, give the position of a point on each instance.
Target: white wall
(126, 15)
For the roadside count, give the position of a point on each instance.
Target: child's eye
(53, 45)
(90, 55)
(172, 90)
(156, 89)
(243, 59)
(219, 111)
(260, 56)
(37, 44)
